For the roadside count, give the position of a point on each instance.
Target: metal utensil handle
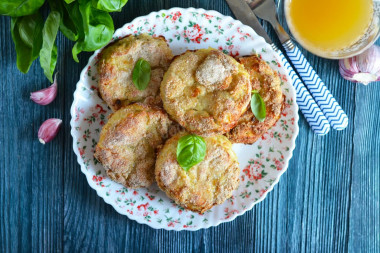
(330, 108)
(306, 103)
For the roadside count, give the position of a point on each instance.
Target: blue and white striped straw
(306, 103)
(330, 108)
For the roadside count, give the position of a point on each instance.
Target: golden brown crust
(128, 143)
(116, 64)
(267, 82)
(205, 91)
(206, 184)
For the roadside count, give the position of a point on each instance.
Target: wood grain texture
(327, 201)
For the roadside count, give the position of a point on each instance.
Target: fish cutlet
(267, 82)
(204, 185)
(129, 141)
(206, 91)
(116, 64)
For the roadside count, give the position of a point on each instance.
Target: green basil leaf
(141, 74)
(54, 57)
(97, 29)
(38, 24)
(26, 31)
(27, 36)
(76, 17)
(48, 53)
(109, 5)
(67, 25)
(75, 51)
(258, 106)
(23, 52)
(18, 8)
(69, 1)
(191, 150)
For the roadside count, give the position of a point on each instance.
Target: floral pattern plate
(261, 164)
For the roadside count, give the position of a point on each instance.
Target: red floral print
(228, 213)
(262, 191)
(254, 171)
(81, 151)
(244, 35)
(144, 206)
(208, 17)
(101, 109)
(77, 113)
(194, 33)
(98, 180)
(151, 197)
(176, 16)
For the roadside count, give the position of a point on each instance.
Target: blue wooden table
(328, 200)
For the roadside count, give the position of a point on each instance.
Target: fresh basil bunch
(87, 22)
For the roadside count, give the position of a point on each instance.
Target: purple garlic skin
(45, 96)
(48, 130)
(363, 68)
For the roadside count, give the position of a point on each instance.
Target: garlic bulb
(45, 96)
(363, 68)
(48, 130)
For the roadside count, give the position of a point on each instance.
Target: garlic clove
(364, 78)
(47, 95)
(48, 130)
(369, 61)
(363, 68)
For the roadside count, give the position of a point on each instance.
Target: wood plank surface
(327, 201)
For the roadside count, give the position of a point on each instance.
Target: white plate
(262, 163)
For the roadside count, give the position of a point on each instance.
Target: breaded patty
(206, 91)
(204, 185)
(117, 62)
(267, 82)
(128, 143)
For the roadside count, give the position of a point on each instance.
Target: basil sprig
(141, 74)
(18, 8)
(109, 5)
(49, 51)
(27, 36)
(258, 106)
(96, 30)
(87, 22)
(191, 150)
